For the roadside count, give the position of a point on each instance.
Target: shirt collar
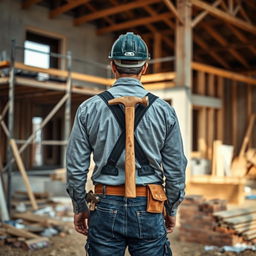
(128, 81)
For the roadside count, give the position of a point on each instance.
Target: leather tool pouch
(155, 198)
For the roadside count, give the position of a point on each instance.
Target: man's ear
(113, 67)
(144, 68)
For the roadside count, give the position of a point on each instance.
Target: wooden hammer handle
(130, 179)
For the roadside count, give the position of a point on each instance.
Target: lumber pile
(241, 222)
(209, 222)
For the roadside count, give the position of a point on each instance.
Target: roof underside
(218, 40)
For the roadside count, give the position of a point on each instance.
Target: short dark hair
(126, 70)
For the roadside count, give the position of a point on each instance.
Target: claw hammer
(129, 103)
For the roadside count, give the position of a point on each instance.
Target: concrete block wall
(82, 41)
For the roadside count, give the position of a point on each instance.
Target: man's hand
(81, 222)
(170, 222)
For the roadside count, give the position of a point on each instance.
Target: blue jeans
(119, 222)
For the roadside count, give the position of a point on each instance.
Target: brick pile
(198, 223)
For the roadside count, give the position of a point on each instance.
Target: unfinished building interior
(203, 63)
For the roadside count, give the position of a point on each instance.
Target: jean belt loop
(104, 190)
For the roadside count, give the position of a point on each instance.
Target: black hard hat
(129, 47)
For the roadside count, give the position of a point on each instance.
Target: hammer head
(129, 101)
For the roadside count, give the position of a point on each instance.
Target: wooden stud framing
(66, 7)
(202, 116)
(210, 118)
(234, 115)
(113, 10)
(220, 112)
(225, 16)
(157, 51)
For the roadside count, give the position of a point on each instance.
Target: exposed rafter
(28, 3)
(66, 7)
(113, 10)
(242, 38)
(218, 37)
(134, 23)
(225, 16)
(203, 14)
(214, 55)
(173, 9)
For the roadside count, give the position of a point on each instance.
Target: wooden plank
(157, 52)
(159, 86)
(240, 219)
(223, 73)
(150, 78)
(225, 16)
(133, 23)
(64, 73)
(23, 173)
(112, 10)
(235, 212)
(28, 3)
(66, 7)
(173, 9)
(18, 232)
(4, 64)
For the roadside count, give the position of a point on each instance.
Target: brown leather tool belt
(118, 190)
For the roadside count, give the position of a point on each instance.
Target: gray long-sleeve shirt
(96, 131)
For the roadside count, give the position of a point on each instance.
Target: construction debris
(210, 223)
(33, 229)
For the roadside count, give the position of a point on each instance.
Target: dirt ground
(72, 245)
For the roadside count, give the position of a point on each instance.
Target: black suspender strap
(110, 167)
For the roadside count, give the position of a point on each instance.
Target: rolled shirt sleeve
(174, 165)
(78, 162)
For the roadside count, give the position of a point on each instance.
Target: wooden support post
(234, 116)
(67, 107)
(249, 93)
(183, 45)
(202, 116)
(157, 52)
(220, 112)
(23, 173)
(210, 118)
(3, 205)
(10, 121)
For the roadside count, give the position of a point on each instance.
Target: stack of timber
(201, 221)
(241, 222)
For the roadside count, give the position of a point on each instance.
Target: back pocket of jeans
(102, 223)
(151, 225)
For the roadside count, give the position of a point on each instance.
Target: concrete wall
(82, 41)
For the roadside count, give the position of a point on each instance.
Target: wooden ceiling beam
(214, 55)
(134, 23)
(173, 9)
(113, 10)
(225, 16)
(219, 38)
(28, 3)
(66, 7)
